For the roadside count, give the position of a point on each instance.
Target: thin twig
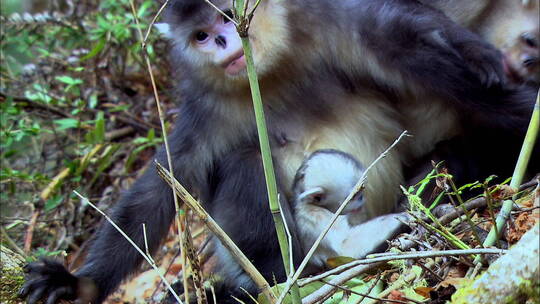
(146, 243)
(473, 204)
(150, 26)
(10, 242)
(370, 288)
(222, 12)
(178, 217)
(337, 280)
(30, 231)
(356, 188)
(149, 260)
(364, 295)
(289, 237)
(403, 256)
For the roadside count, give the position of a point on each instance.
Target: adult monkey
(510, 25)
(513, 27)
(348, 75)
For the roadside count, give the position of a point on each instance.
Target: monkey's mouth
(235, 64)
(511, 71)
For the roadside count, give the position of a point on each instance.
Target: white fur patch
(164, 29)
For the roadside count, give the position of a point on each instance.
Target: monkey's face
(522, 59)
(515, 30)
(208, 42)
(326, 178)
(220, 44)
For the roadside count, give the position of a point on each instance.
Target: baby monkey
(323, 181)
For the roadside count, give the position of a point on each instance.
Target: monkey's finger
(57, 294)
(36, 295)
(23, 292)
(29, 286)
(491, 73)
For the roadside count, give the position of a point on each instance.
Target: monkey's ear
(164, 29)
(313, 195)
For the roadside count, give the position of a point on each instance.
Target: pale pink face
(221, 41)
(522, 59)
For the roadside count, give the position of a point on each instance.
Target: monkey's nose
(221, 41)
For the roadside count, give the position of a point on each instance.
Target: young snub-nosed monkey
(323, 182)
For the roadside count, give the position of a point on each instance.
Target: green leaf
(69, 80)
(143, 9)
(95, 50)
(133, 155)
(67, 123)
(120, 108)
(151, 134)
(93, 101)
(53, 202)
(99, 131)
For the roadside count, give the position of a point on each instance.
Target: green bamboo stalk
(517, 176)
(264, 143)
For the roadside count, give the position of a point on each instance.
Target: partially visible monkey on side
(513, 26)
(348, 75)
(321, 184)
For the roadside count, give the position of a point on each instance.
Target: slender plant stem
(271, 186)
(519, 172)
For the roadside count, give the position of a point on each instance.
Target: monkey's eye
(529, 40)
(201, 36)
(229, 14)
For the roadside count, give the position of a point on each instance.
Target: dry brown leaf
(502, 192)
(454, 276)
(424, 291)
(442, 181)
(338, 261)
(523, 223)
(453, 282)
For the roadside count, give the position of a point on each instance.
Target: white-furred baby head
(326, 178)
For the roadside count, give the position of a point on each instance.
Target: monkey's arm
(111, 258)
(433, 54)
(372, 236)
(427, 47)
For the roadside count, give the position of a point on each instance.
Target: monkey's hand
(484, 60)
(50, 281)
